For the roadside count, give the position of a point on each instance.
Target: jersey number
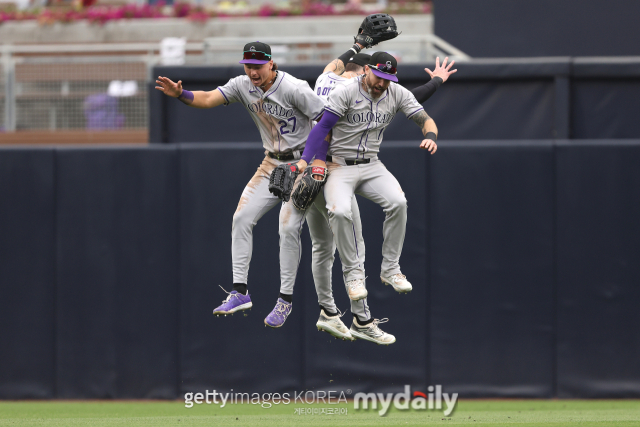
(284, 124)
(323, 91)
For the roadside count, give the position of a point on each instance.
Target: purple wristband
(186, 97)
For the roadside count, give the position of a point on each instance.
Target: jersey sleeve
(407, 102)
(231, 91)
(338, 101)
(310, 104)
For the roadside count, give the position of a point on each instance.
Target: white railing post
(8, 67)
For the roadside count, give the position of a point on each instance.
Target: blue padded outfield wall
(524, 255)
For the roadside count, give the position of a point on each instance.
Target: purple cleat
(234, 302)
(279, 314)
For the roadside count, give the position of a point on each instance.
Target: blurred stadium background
(523, 240)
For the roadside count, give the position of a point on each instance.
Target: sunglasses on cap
(389, 69)
(253, 54)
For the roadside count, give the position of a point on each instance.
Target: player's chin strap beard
(368, 88)
(366, 85)
(275, 74)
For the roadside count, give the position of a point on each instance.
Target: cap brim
(252, 61)
(385, 76)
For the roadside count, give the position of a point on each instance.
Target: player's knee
(323, 253)
(340, 211)
(242, 218)
(291, 227)
(397, 204)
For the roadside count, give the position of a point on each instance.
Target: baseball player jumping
(323, 248)
(283, 109)
(357, 113)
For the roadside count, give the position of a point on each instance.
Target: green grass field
(558, 413)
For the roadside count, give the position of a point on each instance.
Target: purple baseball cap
(384, 66)
(256, 53)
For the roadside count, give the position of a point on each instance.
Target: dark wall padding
(233, 352)
(492, 268)
(487, 99)
(469, 109)
(605, 108)
(27, 266)
(117, 273)
(524, 258)
(515, 28)
(598, 207)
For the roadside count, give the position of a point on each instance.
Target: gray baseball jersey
(325, 83)
(283, 114)
(358, 133)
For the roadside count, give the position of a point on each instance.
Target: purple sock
(186, 97)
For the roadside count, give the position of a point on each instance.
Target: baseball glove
(375, 29)
(282, 179)
(309, 187)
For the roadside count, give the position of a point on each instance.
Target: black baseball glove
(310, 185)
(282, 179)
(375, 29)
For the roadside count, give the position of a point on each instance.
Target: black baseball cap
(384, 65)
(360, 59)
(256, 53)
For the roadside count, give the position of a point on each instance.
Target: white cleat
(356, 289)
(372, 332)
(333, 325)
(399, 282)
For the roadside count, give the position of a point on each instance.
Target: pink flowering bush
(16, 16)
(318, 9)
(102, 14)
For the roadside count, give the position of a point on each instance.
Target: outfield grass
(558, 413)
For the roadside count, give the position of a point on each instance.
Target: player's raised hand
(169, 87)
(443, 71)
(429, 145)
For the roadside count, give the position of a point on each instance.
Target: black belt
(282, 156)
(351, 162)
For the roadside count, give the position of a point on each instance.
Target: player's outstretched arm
(439, 75)
(197, 99)
(338, 64)
(429, 130)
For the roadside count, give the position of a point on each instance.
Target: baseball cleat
(333, 325)
(399, 282)
(234, 302)
(356, 289)
(371, 332)
(279, 314)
